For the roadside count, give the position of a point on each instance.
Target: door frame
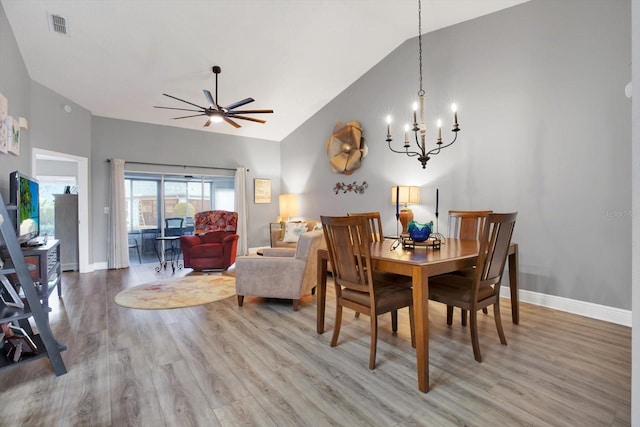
(83, 199)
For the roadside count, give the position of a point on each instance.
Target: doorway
(82, 182)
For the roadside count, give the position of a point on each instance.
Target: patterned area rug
(179, 292)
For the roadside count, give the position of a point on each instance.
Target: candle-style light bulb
(406, 135)
(439, 124)
(454, 108)
(415, 110)
(389, 128)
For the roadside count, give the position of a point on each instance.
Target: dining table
(420, 263)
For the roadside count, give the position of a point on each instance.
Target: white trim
(100, 266)
(582, 308)
(83, 199)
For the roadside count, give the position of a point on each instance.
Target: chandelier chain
(421, 91)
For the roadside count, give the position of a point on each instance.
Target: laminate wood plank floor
(263, 364)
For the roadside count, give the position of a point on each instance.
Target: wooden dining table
(420, 264)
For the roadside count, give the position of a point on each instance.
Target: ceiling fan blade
(239, 103)
(231, 122)
(173, 108)
(251, 111)
(210, 100)
(251, 119)
(182, 100)
(186, 117)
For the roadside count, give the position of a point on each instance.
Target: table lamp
(288, 206)
(405, 195)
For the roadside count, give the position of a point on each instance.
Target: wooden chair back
(375, 224)
(467, 224)
(348, 240)
(494, 248)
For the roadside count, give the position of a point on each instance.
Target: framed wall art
(262, 190)
(4, 114)
(13, 130)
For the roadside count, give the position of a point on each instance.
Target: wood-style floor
(263, 364)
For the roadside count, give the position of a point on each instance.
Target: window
(181, 197)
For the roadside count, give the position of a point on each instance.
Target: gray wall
(15, 85)
(141, 142)
(546, 131)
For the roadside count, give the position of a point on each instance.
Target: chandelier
(419, 127)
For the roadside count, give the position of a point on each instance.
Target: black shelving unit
(45, 342)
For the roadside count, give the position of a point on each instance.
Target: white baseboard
(582, 308)
(100, 265)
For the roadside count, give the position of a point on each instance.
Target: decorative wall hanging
(345, 188)
(261, 190)
(4, 114)
(346, 148)
(13, 136)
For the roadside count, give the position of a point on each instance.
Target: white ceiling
(292, 56)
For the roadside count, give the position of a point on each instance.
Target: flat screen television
(24, 193)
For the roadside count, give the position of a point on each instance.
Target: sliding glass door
(165, 204)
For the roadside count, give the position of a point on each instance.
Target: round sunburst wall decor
(346, 147)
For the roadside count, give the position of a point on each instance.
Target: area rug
(178, 292)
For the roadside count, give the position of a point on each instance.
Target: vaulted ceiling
(292, 56)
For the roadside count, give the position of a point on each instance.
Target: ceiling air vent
(58, 24)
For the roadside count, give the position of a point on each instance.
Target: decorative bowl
(419, 232)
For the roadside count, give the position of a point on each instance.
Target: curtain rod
(180, 166)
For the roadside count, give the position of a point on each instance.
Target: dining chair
(348, 240)
(375, 225)
(173, 226)
(483, 289)
(466, 225)
(133, 244)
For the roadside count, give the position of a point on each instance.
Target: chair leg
(138, 250)
(313, 290)
(463, 317)
(496, 315)
(394, 321)
(449, 315)
(296, 304)
(240, 300)
(374, 340)
(485, 311)
(336, 328)
(412, 326)
(357, 315)
(474, 336)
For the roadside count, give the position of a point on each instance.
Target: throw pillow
(293, 230)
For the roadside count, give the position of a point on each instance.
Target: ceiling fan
(215, 112)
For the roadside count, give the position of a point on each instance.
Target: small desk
(169, 245)
(420, 264)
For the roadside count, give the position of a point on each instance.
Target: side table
(169, 245)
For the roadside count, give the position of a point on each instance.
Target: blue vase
(419, 232)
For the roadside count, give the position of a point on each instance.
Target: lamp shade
(288, 206)
(407, 195)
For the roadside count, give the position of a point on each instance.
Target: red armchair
(214, 243)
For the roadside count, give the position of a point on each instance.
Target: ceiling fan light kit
(214, 112)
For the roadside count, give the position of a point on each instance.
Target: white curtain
(118, 251)
(241, 208)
